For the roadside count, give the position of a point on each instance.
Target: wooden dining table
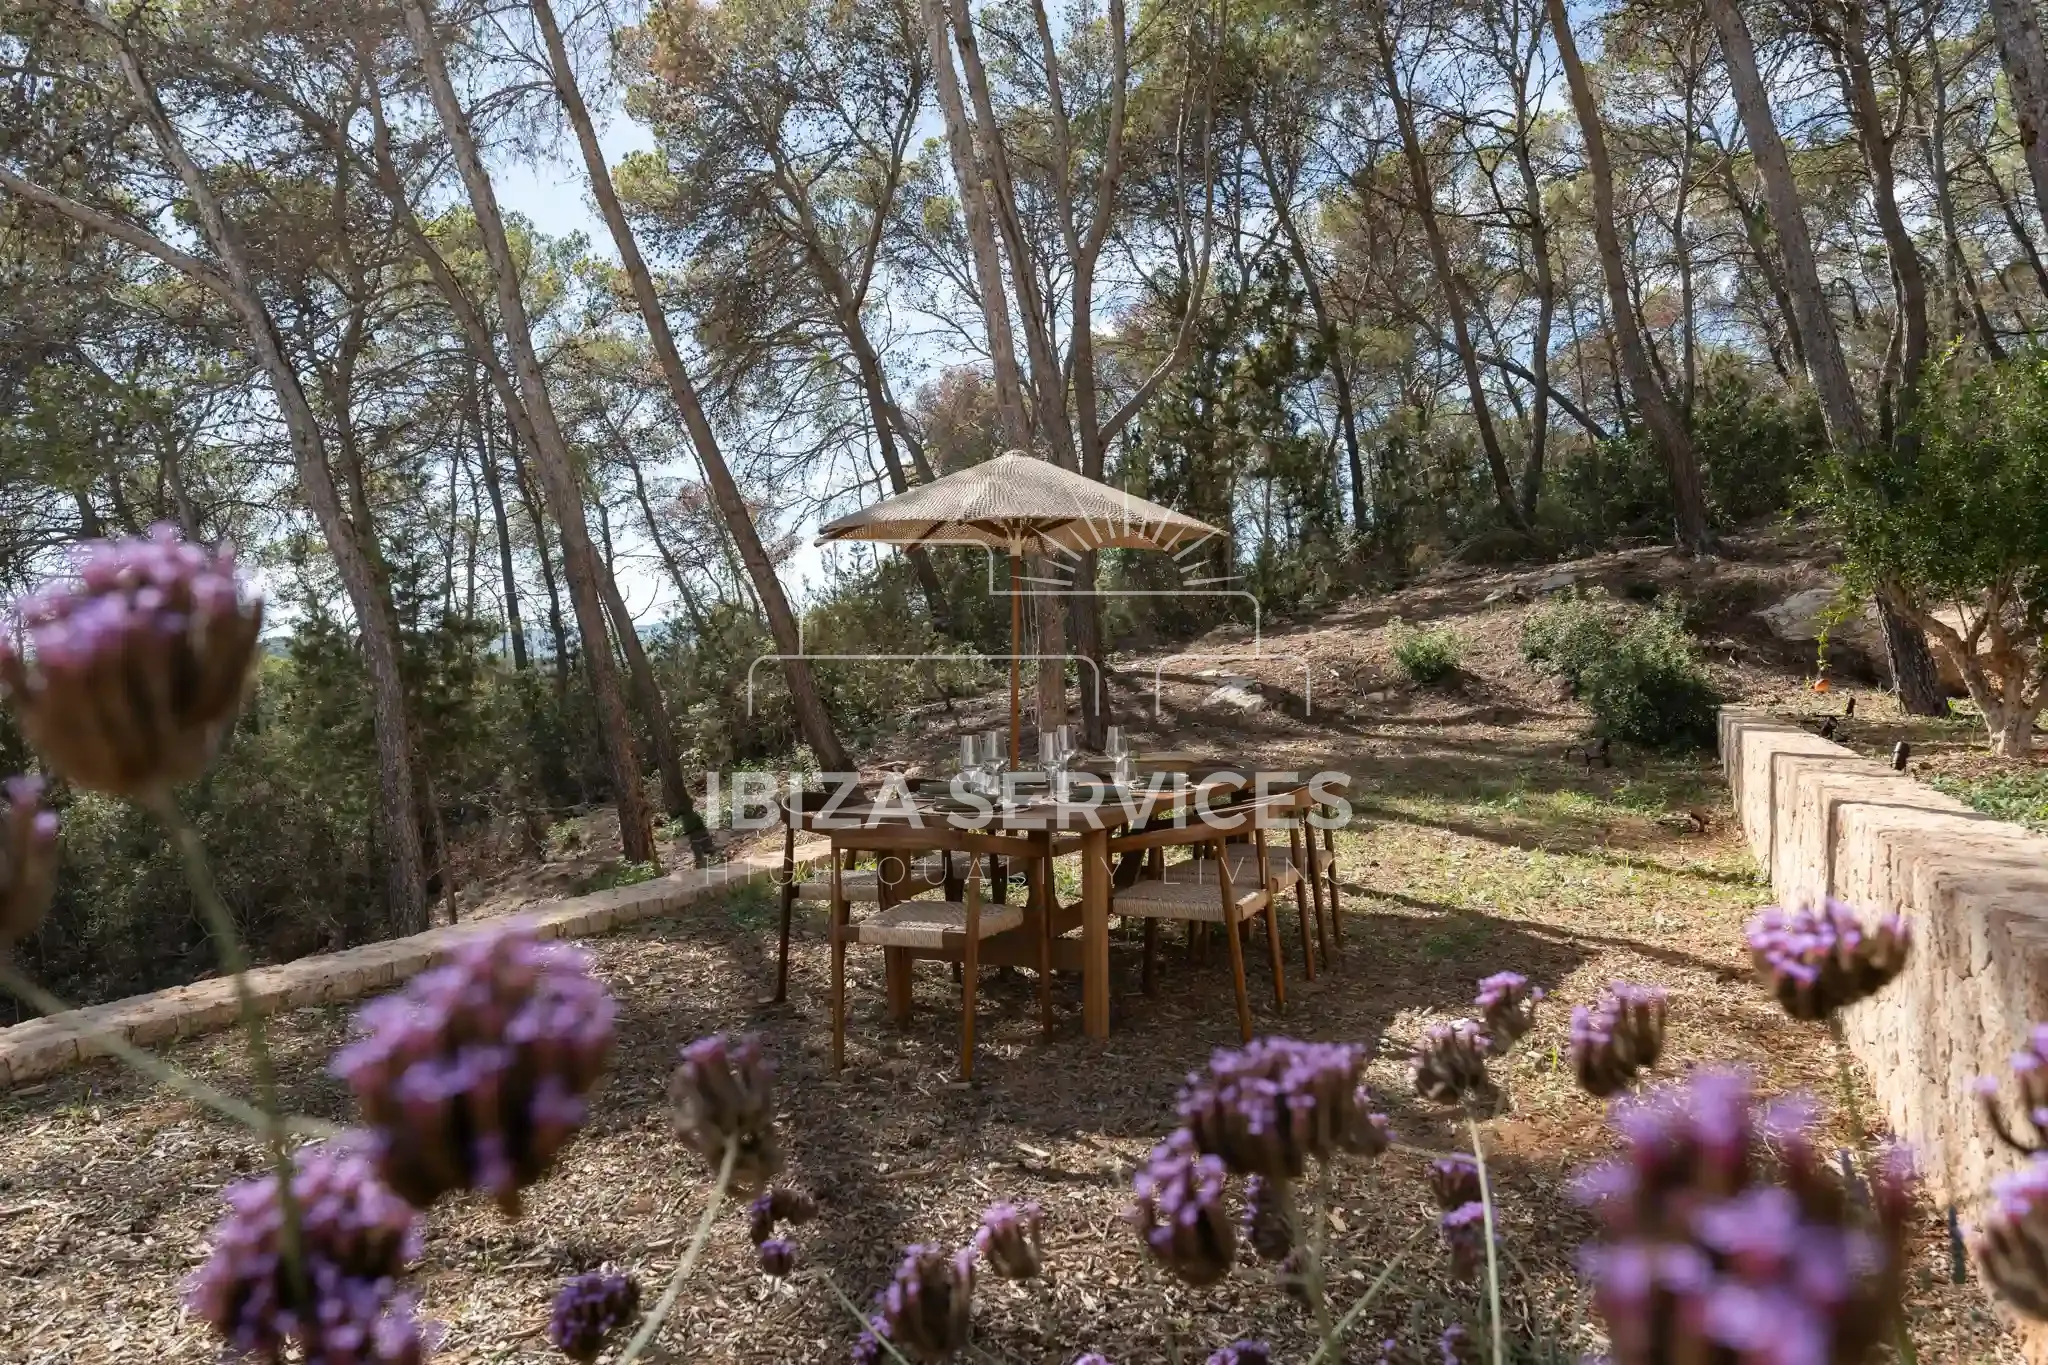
(1081, 826)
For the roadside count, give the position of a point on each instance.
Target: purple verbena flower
(1725, 1234)
(868, 1348)
(778, 1257)
(1008, 1240)
(1454, 1180)
(1243, 1353)
(1178, 1210)
(1818, 961)
(1464, 1230)
(1268, 1221)
(474, 1075)
(2030, 1078)
(1450, 1066)
(1266, 1108)
(28, 858)
(2012, 1242)
(341, 1305)
(1507, 1007)
(134, 668)
(782, 1204)
(928, 1308)
(589, 1308)
(1456, 1346)
(1621, 1035)
(1091, 1359)
(723, 1092)
(1293, 1277)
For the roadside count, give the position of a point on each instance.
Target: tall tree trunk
(1546, 315)
(236, 284)
(675, 788)
(557, 472)
(661, 547)
(846, 310)
(557, 627)
(981, 240)
(1850, 45)
(1447, 280)
(1825, 364)
(487, 461)
(1913, 669)
(1755, 223)
(1959, 280)
(725, 491)
(2018, 26)
(1326, 328)
(1666, 430)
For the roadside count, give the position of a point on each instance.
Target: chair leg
(1042, 890)
(1308, 939)
(1273, 951)
(897, 983)
(788, 904)
(970, 982)
(1150, 983)
(1312, 873)
(1336, 912)
(1244, 1003)
(838, 991)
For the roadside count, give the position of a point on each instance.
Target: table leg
(1095, 877)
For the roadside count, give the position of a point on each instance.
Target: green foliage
(1428, 656)
(1757, 441)
(616, 874)
(2016, 794)
(1956, 513)
(1637, 671)
(1230, 439)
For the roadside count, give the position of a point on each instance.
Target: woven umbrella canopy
(1022, 505)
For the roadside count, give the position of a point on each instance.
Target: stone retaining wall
(1825, 822)
(43, 1047)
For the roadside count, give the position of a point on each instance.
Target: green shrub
(1427, 657)
(2020, 796)
(1637, 672)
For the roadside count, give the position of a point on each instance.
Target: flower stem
(191, 1087)
(645, 1336)
(1334, 1340)
(1319, 1245)
(847, 1304)
(1500, 1354)
(220, 922)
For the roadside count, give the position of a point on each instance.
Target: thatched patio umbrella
(1020, 504)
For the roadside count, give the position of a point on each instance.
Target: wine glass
(1119, 756)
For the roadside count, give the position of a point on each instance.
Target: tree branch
(120, 230)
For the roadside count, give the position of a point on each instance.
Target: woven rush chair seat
(1190, 898)
(933, 924)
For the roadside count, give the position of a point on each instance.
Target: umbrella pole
(1016, 633)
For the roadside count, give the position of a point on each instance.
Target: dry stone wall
(1825, 822)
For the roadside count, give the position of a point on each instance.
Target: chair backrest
(800, 806)
(933, 835)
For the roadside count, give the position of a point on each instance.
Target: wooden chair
(948, 930)
(1287, 866)
(802, 811)
(1207, 890)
